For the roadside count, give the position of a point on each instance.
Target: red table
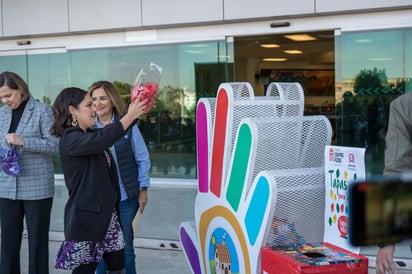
(312, 258)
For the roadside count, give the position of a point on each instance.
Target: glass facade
(372, 69)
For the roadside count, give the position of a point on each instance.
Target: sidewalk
(151, 258)
(157, 245)
(148, 260)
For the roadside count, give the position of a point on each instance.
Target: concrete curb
(161, 244)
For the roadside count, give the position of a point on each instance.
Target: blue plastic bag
(9, 161)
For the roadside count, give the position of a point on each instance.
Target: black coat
(92, 185)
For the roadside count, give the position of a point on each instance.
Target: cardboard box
(312, 258)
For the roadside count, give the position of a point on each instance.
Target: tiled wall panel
(88, 15)
(23, 17)
(243, 9)
(167, 12)
(335, 6)
(44, 17)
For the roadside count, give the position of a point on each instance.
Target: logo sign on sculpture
(343, 165)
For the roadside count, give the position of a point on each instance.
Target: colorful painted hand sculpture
(231, 208)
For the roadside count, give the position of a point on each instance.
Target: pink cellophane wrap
(146, 84)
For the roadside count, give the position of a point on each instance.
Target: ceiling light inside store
(271, 59)
(195, 51)
(300, 37)
(381, 59)
(363, 40)
(223, 57)
(199, 46)
(270, 46)
(293, 51)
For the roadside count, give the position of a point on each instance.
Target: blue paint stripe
(257, 209)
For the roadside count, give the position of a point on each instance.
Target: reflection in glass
(374, 71)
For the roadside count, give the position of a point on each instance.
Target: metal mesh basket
(287, 148)
(298, 207)
(289, 103)
(289, 142)
(286, 91)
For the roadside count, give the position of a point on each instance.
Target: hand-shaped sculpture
(231, 208)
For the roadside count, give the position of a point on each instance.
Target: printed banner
(343, 165)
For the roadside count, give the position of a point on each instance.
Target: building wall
(49, 17)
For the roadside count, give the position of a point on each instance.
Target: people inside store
(26, 175)
(91, 217)
(132, 161)
(348, 111)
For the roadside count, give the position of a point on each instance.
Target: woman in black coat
(91, 223)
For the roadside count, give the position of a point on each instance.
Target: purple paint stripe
(202, 147)
(191, 251)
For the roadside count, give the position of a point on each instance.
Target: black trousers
(114, 261)
(37, 214)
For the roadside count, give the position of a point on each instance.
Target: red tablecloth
(312, 258)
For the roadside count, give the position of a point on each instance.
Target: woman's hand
(142, 200)
(135, 111)
(137, 108)
(14, 139)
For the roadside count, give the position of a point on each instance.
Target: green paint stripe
(241, 161)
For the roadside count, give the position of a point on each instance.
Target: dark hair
(62, 118)
(111, 91)
(14, 82)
